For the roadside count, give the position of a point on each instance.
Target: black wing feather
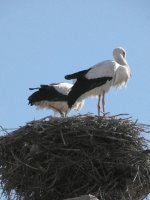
(46, 93)
(77, 75)
(84, 85)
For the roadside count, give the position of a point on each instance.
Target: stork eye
(123, 53)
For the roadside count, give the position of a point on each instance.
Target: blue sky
(42, 41)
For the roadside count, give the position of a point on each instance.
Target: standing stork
(98, 79)
(54, 97)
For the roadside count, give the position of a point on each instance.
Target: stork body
(54, 97)
(98, 79)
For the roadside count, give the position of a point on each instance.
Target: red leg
(98, 105)
(103, 102)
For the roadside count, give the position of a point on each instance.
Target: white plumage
(54, 97)
(98, 79)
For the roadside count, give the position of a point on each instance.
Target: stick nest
(67, 157)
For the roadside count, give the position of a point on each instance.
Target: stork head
(119, 55)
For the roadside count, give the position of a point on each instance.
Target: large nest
(67, 157)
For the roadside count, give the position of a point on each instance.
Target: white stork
(54, 97)
(98, 79)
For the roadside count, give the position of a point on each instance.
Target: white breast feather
(122, 76)
(60, 105)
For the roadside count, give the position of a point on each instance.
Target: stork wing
(104, 69)
(77, 75)
(83, 85)
(46, 93)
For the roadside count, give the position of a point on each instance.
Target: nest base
(63, 158)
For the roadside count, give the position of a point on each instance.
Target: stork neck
(121, 60)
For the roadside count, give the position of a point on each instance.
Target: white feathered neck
(119, 55)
